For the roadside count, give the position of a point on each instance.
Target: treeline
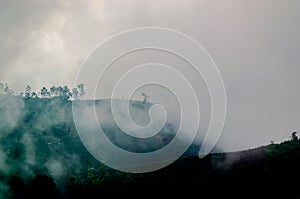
(64, 92)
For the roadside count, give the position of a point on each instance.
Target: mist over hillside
(155, 99)
(41, 155)
(38, 137)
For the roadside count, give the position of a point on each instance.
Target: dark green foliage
(60, 92)
(43, 141)
(294, 136)
(284, 147)
(44, 92)
(27, 92)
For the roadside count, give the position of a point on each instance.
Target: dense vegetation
(41, 156)
(38, 138)
(263, 172)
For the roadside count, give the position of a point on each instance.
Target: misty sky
(256, 45)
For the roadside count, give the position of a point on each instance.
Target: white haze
(254, 43)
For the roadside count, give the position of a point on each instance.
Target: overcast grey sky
(254, 43)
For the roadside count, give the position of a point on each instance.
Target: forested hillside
(41, 156)
(38, 137)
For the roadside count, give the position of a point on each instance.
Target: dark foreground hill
(265, 172)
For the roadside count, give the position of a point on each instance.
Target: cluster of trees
(4, 90)
(64, 92)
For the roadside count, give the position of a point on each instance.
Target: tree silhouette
(27, 92)
(44, 92)
(66, 93)
(34, 95)
(81, 91)
(1, 88)
(4, 90)
(53, 91)
(294, 136)
(75, 94)
(60, 91)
